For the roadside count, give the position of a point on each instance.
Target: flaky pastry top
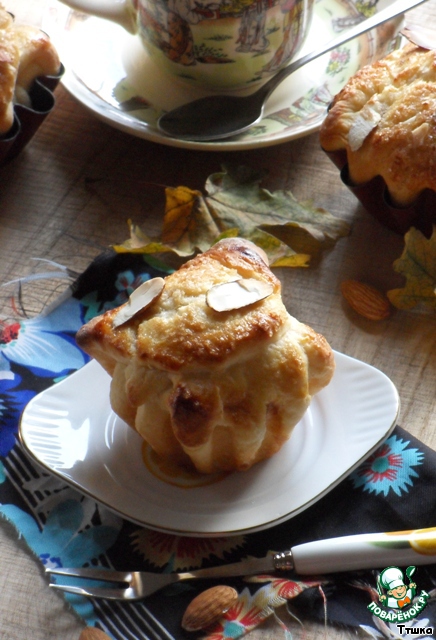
(179, 329)
(218, 389)
(385, 120)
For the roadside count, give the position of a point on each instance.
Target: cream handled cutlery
(346, 553)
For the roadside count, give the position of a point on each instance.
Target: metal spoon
(221, 116)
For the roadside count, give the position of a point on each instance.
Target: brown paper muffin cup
(374, 196)
(27, 120)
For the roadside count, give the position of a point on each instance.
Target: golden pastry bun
(220, 390)
(25, 54)
(384, 119)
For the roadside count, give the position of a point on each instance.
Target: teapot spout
(120, 11)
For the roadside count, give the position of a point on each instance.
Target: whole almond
(366, 300)
(208, 607)
(91, 633)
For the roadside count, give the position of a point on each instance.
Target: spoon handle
(393, 10)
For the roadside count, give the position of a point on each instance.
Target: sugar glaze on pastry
(217, 390)
(385, 119)
(25, 54)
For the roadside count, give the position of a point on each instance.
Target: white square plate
(71, 431)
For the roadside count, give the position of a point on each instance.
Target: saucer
(109, 72)
(71, 431)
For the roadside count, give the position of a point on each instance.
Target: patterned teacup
(214, 44)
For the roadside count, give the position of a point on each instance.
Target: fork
(135, 585)
(132, 585)
(346, 553)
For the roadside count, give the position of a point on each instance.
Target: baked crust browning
(179, 329)
(9, 57)
(38, 57)
(217, 390)
(25, 54)
(394, 100)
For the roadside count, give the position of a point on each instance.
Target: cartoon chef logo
(399, 594)
(398, 597)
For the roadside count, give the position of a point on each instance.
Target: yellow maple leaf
(418, 264)
(187, 223)
(235, 205)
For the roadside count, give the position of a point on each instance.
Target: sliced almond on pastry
(362, 127)
(421, 36)
(139, 300)
(370, 116)
(237, 294)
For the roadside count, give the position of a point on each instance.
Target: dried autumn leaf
(237, 200)
(418, 264)
(139, 242)
(187, 227)
(188, 224)
(235, 205)
(279, 254)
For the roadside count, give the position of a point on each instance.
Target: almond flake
(421, 36)
(139, 300)
(360, 131)
(237, 294)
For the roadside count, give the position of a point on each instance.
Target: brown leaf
(242, 203)
(290, 232)
(187, 224)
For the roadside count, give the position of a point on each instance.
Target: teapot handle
(120, 11)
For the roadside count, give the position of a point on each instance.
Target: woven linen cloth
(393, 490)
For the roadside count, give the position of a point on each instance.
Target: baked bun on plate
(207, 364)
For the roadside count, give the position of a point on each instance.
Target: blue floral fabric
(390, 468)
(392, 490)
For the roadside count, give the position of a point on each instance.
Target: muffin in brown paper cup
(30, 69)
(374, 196)
(380, 131)
(27, 119)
